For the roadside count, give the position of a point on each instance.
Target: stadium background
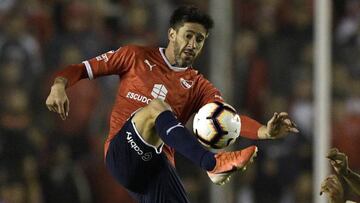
(44, 159)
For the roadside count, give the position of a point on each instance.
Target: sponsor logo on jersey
(187, 84)
(138, 97)
(144, 156)
(159, 91)
(150, 65)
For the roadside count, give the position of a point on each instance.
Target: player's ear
(171, 34)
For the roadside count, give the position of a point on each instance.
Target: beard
(179, 61)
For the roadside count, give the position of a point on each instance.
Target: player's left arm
(278, 126)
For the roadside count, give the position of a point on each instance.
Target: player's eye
(188, 36)
(199, 39)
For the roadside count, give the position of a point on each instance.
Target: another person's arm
(332, 187)
(353, 179)
(339, 162)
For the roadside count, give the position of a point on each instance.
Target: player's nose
(192, 43)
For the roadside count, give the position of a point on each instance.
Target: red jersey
(145, 74)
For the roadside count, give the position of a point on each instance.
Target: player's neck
(169, 54)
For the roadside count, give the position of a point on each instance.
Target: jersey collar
(174, 68)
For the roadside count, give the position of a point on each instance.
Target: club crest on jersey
(187, 84)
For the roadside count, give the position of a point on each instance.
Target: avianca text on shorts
(144, 156)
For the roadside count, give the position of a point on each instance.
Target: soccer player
(158, 92)
(331, 185)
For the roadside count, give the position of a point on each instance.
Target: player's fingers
(283, 115)
(58, 109)
(290, 126)
(293, 130)
(67, 107)
(53, 109)
(49, 107)
(277, 119)
(293, 124)
(286, 121)
(62, 111)
(273, 119)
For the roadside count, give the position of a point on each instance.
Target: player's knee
(157, 106)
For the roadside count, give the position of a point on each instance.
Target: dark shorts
(143, 169)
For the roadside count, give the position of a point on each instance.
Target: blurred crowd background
(44, 159)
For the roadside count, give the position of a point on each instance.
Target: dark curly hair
(190, 14)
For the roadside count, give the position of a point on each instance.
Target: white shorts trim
(158, 150)
(88, 69)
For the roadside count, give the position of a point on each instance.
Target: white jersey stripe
(88, 69)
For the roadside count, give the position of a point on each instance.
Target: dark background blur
(44, 159)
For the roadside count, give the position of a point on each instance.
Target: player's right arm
(57, 101)
(339, 162)
(110, 63)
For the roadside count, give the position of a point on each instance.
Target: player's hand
(278, 126)
(57, 101)
(333, 189)
(338, 161)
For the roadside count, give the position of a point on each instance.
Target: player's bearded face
(188, 43)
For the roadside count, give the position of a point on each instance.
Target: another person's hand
(278, 126)
(338, 161)
(333, 189)
(57, 101)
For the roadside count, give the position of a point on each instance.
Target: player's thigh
(133, 162)
(144, 120)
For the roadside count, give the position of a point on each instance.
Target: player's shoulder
(196, 74)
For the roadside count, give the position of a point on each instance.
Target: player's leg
(139, 165)
(166, 188)
(133, 163)
(158, 115)
(170, 131)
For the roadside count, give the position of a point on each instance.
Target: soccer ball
(216, 125)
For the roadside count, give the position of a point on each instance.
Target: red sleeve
(113, 62)
(206, 93)
(73, 73)
(249, 128)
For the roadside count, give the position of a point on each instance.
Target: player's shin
(178, 137)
